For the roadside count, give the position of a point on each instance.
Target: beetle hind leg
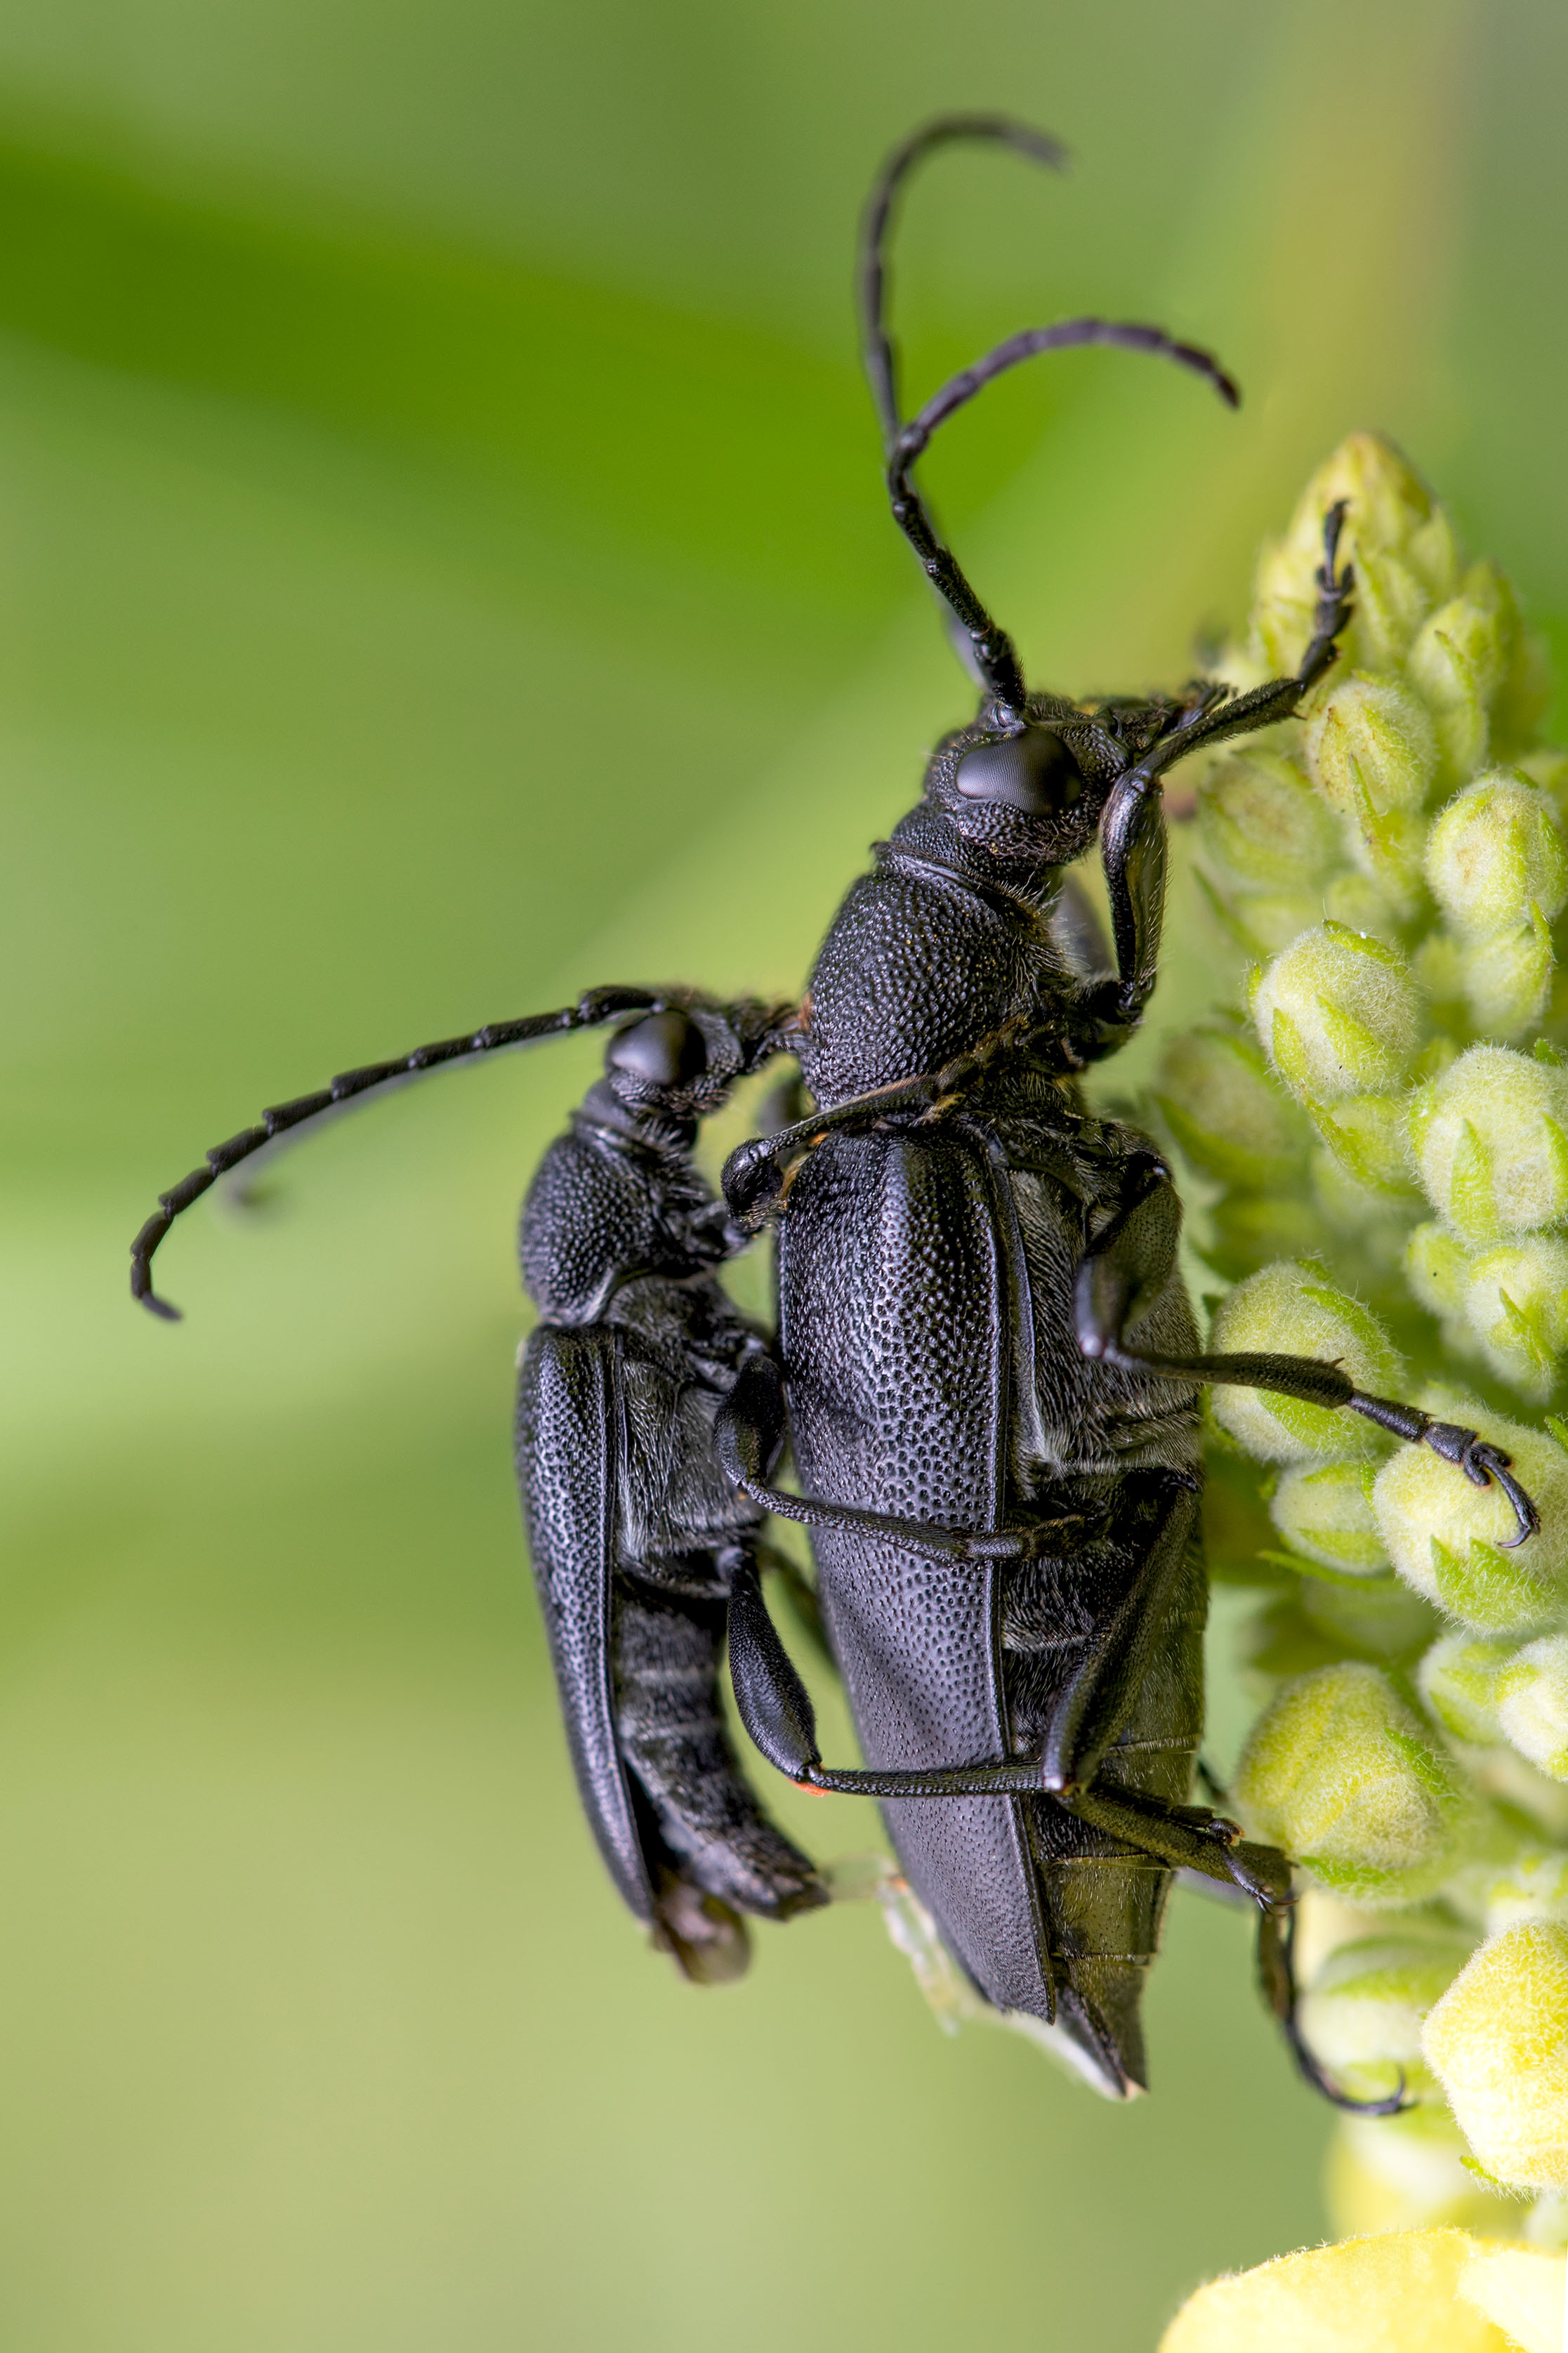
(1276, 1979)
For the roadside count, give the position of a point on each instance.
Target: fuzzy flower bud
(1532, 1884)
(1548, 769)
(1325, 1513)
(1289, 1309)
(1437, 1269)
(1498, 2043)
(1388, 509)
(1407, 2172)
(1358, 903)
(1372, 747)
(1368, 1135)
(1493, 853)
(1261, 923)
(1516, 1302)
(1223, 1110)
(1261, 823)
(1460, 660)
(1362, 2016)
(1508, 978)
(1457, 1679)
(1490, 1138)
(1532, 1704)
(1454, 1541)
(1336, 1013)
(1373, 752)
(1342, 1775)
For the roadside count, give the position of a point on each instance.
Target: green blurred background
(442, 563)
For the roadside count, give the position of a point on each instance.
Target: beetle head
(679, 1064)
(1017, 789)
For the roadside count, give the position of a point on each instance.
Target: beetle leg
(1190, 1838)
(1122, 1277)
(1276, 1978)
(776, 1710)
(1186, 1838)
(749, 1439)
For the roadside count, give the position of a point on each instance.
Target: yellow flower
(1411, 2292)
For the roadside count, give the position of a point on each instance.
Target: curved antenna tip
(162, 1308)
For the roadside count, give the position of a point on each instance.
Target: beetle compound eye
(665, 1049)
(1033, 772)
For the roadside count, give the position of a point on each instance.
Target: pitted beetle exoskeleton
(986, 1361)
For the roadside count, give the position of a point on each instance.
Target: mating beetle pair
(986, 1362)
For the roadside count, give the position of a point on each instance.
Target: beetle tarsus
(1277, 1980)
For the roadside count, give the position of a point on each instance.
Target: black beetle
(985, 1359)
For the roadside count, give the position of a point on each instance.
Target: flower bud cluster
(1374, 1129)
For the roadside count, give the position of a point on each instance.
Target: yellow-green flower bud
(1508, 978)
(1340, 1774)
(1252, 1229)
(1388, 506)
(1261, 823)
(1548, 769)
(1284, 597)
(1525, 696)
(1439, 965)
(1454, 1541)
(1336, 1013)
(1532, 1885)
(1264, 922)
(1498, 2043)
(1493, 853)
(1369, 1213)
(1324, 1512)
(1372, 747)
(1516, 1302)
(1365, 1617)
(1391, 601)
(1490, 1138)
(1437, 1269)
(1406, 2173)
(1460, 660)
(1368, 1135)
(1362, 2017)
(1373, 752)
(1532, 1704)
(1362, 905)
(1223, 1110)
(1458, 1681)
(1289, 1309)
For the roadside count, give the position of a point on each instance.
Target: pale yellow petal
(1393, 2294)
(1522, 2291)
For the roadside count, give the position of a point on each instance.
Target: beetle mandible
(986, 1361)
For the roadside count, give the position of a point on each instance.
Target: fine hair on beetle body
(985, 1363)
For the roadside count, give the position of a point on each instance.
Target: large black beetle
(985, 1358)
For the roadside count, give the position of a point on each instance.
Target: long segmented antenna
(591, 1011)
(877, 348)
(995, 655)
